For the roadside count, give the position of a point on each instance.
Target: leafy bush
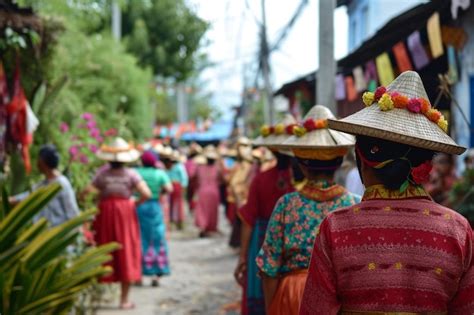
(36, 275)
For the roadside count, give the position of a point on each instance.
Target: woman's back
(392, 254)
(154, 178)
(117, 182)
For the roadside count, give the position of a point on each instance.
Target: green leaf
(404, 186)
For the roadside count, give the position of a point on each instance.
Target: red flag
(351, 92)
(401, 55)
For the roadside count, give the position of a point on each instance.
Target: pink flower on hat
(381, 90)
(414, 105)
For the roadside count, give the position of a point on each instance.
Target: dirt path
(201, 281)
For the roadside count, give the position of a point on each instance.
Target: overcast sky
(233, 38)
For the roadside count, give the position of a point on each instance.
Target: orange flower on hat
(368, 98)
(399, 101)
(385, 102)
(434, 115)
(425, 105)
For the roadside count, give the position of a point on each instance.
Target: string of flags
(408, 54)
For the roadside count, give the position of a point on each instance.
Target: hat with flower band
(401, 112)
(274, 136)
(313, 140)
(118, 150)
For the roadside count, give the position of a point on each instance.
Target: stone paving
(201, 282)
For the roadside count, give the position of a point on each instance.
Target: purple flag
(340, 88)
(370, 71)
(418, 53)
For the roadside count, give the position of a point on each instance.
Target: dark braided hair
(405, 157)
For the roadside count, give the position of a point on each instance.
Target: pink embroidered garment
(394, 252)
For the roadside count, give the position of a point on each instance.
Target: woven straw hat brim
(371, 129)
(123, 157)
(320, 139)
(272, 141)
(400, 125)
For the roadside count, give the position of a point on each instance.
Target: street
(201, 281)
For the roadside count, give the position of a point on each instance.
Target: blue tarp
(218, 131)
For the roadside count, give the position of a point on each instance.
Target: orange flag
(351, 92)
(401, 55)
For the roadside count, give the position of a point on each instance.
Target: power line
(247, 5)
(286, 30)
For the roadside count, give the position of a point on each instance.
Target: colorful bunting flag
(340, 88)
(401, 55)
(417, 50)
(384, 69)
(370, 71)
(350, 89)
(434, 35)
(359, 80)
(452, 64)
(454, 36)
(372, 86)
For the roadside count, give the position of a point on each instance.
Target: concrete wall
(367, 16)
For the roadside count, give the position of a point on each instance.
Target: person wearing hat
(63, 206)
(191, 166)
(179, 178)
(208, 178)
(239, 184)
(155, 260)
(285, 255)
(117, 218)
(265, 190)
(397, 252)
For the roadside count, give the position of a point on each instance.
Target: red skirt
(177, 204)
(117, 222)
(289, 294)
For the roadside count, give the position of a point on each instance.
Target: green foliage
(165, 35)
(36, 275)
(462, 195)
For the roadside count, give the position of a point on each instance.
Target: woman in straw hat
(208, 178)
(191, 167)
(152, 223)
(285, 255)
(179, 179)
(397, 252)
(265, 190)
(239, 184)
(117, 219)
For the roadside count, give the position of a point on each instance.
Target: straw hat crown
(277, 137)
(118, 150)
(399, 124)
(321, 138)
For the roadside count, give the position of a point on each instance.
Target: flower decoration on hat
(278, 129)
(388, 100)
(309, 125)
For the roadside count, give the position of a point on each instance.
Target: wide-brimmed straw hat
(165, 152)
(274, 136)
(118, 150)
(195, 148)
(210, 152)
(313, 132)
(401, 113)
(243, 141)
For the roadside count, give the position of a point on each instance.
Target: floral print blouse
(292, 228)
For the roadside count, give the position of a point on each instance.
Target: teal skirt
(153, 237)
(254, 294)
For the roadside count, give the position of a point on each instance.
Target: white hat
(118, 150)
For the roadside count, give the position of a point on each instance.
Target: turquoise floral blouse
(292, 228)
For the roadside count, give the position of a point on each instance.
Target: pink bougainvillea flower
(93, 148)
(91, 124)
(73, 151)
(64, 127)
(87, 116)
(94, 133)
(99, 139)
(84, 159)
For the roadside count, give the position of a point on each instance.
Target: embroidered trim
(380, 192)
(321, 190)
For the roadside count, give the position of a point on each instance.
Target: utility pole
(116, 20)
(264, 61)
(181, 102)
(325, 90)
